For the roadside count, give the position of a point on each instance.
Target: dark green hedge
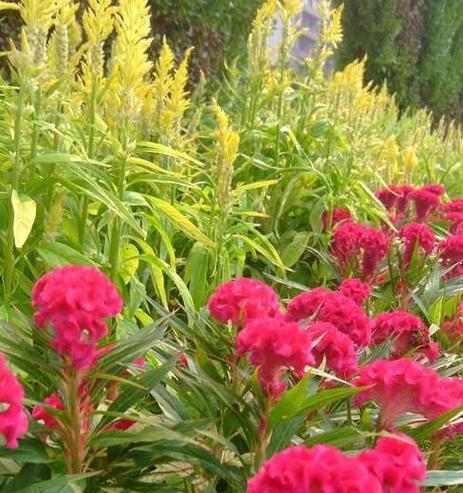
(415, 45)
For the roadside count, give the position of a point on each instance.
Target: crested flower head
(398, 464)
(426, 200)
(416, 237)
(321, 305)
(408, 331)
(40, 413)
(356, 290)
(358, 244)
(451, 252)
(321, 469)
(335, 347)
(13, 419)
(453, 213)
(387, 197)
(403, 197)
(275, 346)
(74, 301)
(404, 386)
(334, 217)
(242, 300)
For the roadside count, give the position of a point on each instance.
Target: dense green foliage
(108, 160)
(413, 45)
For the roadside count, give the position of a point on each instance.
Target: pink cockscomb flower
(334, 217)
(39, 413)
(403, 197)
(354, 244)
(356, 290)
(321, 469)
(408, 331)
(321, 305)
(388, 197)
(346, 243)
(242, 300)
(405, 386)
(335, 347)
(374, 245)
(427, 200)
(451, 253)
(453, 213)
(275, 346)
(74, 301)
(13, 419)
(416, 238)
(398, 464)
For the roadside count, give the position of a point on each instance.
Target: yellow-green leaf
(24, 210)
(129, 262)
(181, 221)
(9, 6)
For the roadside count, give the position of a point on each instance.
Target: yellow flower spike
(410, 161)
(227, 151)
(177, 102)
(162, 80)
(130, 65)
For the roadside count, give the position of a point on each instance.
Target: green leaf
(24, 210)
(129, 262)
(58, 254)
(443, 478)
(429, 428)
(181, 221)
(296, 402)
(339, 437)
(294, 251)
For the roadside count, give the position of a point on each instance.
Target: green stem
(35, 130)
(284, 54)
(9, 258)
(115, 241)
(75, 449)
(90, 155)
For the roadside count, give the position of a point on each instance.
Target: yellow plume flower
(227, 151)
(131, 65)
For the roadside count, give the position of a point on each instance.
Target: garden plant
(255, 288)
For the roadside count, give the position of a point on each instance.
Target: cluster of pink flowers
(453, 213)
(334, 217)
(322, 305)
(335, 347)
(416, 238)
(356, 290)
(13, 419)
(395, 465)
(275, 345)
(404, 386)
(242, 300)
(74, 301)
(359, 245)
(397, 199)
(408, 332)
(451, 252)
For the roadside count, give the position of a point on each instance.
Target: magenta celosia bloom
(356, 290)
(453, 213)
(346, 243)
(320, 469)
(416, 237)
(334, 217)
(387, 197)
(427, 200)
(241, 300)
(275, 346)
(451, 253)
(321, 305)
(39, 413)
(355, 243)
(13, 419)
(404, 386)
(74, 301)
(408, 331)
(397, 463)
(335, 347)
(374, 245)
(403, 197)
